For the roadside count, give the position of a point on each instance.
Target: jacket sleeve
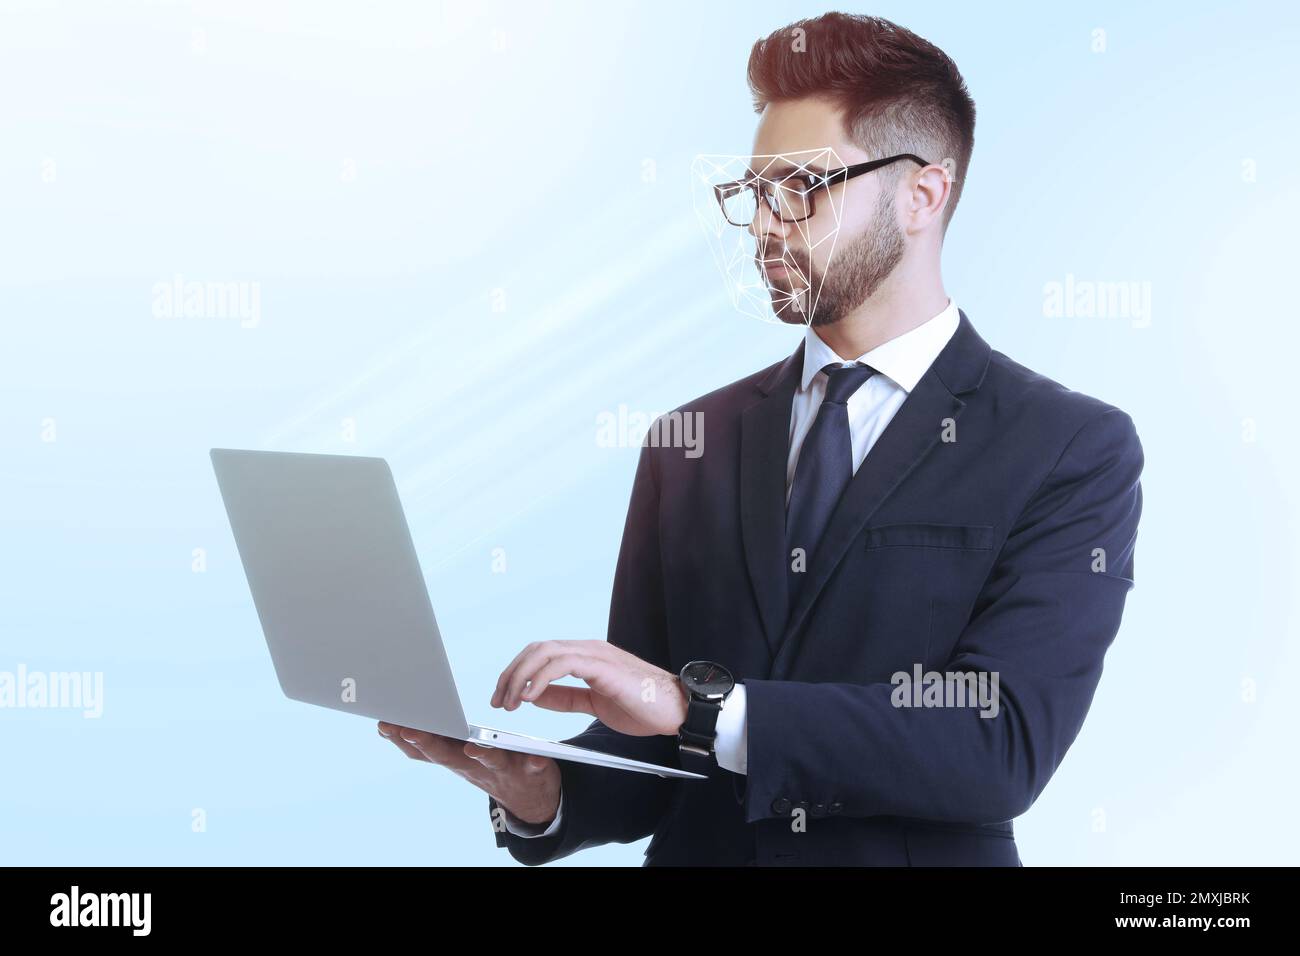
(602, 805)
(1047, 614)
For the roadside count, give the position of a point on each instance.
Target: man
(892, 501)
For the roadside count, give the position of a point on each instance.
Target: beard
(853, 275)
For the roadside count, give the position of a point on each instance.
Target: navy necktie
(824, 469)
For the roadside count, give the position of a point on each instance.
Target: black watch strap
(696, 737)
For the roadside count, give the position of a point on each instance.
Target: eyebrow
(784, 169)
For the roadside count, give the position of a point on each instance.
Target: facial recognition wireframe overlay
(770, 276)
(773, 222)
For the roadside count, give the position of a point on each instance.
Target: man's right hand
(526, 785)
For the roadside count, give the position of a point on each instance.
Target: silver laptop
(342, 601)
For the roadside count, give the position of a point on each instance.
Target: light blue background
(380, 170)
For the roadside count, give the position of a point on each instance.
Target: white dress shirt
(900, 363)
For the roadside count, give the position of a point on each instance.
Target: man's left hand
(624, 692)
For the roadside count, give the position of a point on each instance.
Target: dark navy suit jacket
(990, 529)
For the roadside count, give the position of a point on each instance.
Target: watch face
(708, 679)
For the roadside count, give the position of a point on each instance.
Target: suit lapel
(915, 429)
(764, 452)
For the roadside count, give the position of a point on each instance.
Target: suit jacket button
(835, 808)
(818, 810)
(781, 806)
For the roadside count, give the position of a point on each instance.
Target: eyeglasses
(791, 197)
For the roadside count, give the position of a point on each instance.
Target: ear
(929, 191)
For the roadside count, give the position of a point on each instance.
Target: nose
(765, 227)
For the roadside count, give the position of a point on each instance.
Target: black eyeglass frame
(812, 183)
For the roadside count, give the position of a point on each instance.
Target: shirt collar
(903, 359)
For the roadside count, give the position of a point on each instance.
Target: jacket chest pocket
(949, 537)
(900, 597)
(904, 594)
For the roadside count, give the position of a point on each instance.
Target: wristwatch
(707, 685)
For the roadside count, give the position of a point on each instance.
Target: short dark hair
(899, 93)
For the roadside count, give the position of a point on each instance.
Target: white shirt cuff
(530, 830)
(731, 746)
